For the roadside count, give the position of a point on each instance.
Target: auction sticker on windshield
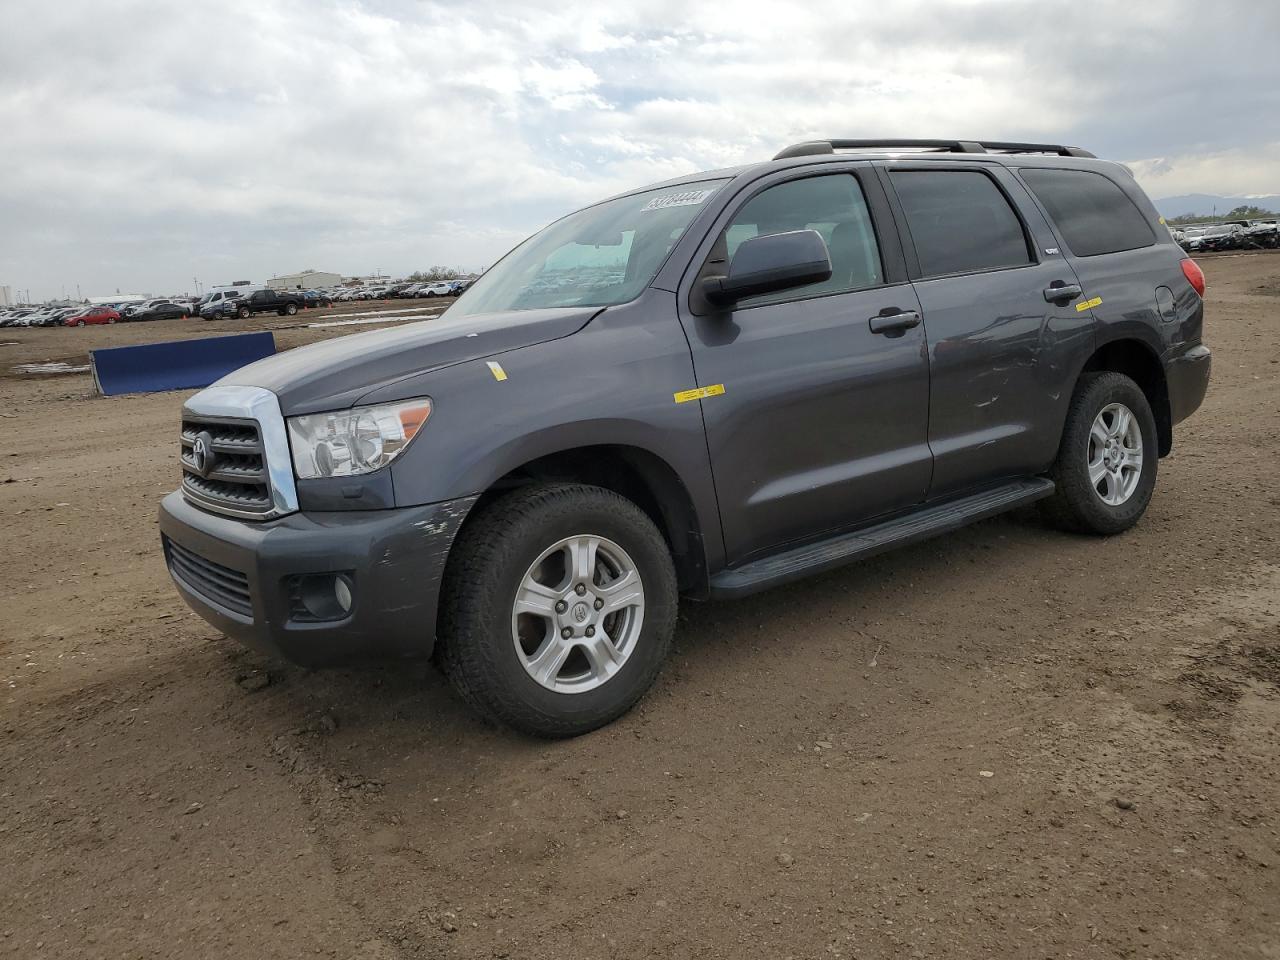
(688, 198)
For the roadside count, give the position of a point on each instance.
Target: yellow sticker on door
(1088, 305)
(700, 393)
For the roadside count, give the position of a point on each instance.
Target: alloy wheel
(577, 614)
(1115, 454)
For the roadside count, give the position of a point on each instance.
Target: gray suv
(705, 388)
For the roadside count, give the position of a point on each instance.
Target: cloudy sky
(147, 144)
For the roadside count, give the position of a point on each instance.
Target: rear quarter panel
(1126, 282)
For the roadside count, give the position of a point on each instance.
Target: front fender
(614, 382)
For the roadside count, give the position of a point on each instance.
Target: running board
(826, 554)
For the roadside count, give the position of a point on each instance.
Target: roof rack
(818, 147)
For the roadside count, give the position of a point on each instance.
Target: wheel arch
(633, 472)
(1138, 361)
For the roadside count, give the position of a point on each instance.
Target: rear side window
(1093, 213)
(960, 222)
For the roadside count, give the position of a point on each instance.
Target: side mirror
(776, 261)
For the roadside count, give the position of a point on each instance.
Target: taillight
(1191, 270)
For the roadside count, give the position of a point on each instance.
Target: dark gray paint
(334, 373)
(824, 429)
(1002, 359)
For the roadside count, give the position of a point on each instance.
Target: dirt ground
(1006, 743)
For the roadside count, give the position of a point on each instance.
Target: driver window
(834, 206)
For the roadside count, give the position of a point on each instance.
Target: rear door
(814, 422)
(1003, 347)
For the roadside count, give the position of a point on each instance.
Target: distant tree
(1248, 212)
(434, 274)
(1243, 212)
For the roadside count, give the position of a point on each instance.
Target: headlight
(350, 442)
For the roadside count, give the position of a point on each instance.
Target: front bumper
(1187, 377)
(394, 558)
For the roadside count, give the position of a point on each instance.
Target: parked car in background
(158, 309)
(37, 318)
(1221, 236)
(212, 304)
(1262, 233)
(15, 316)
(441, 288)
(1191, 239)
(269, 301)
(90, 315)
(316, 298)
(49, 317)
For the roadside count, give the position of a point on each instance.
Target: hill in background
(1208, 204)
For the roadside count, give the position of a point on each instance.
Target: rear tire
(1106, 467)
(517, 667)
(290, 309)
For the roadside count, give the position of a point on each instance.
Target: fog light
(321, 596)
(342, 592)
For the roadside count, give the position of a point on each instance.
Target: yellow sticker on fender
(1088, 304)
(496, 369)
(700, 393)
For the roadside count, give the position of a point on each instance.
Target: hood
(336, 373)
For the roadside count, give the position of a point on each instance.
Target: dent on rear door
(1002, 362)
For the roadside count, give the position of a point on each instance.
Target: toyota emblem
(202, 454)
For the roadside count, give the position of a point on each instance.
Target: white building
(305, 280)
(5, 299)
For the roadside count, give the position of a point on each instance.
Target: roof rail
(818, 147)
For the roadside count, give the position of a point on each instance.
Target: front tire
(557, 609)
(243, 313)
(1106, 467)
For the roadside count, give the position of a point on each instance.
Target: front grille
(212, 582)
(234, 478)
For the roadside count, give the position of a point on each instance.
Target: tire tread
(1075, 507)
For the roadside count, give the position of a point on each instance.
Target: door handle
(1065, 292)
(894, 324)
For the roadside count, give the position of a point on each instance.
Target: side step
(813, 558)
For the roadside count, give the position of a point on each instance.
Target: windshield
(598, 257)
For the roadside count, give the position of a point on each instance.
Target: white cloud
(1238, 172)
(146, 143)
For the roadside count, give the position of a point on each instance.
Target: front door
(822, 422)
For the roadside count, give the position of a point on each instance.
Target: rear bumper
(393, 558)
(1187, 377)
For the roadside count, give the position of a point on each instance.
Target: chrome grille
(233, 478)
(212, 582)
